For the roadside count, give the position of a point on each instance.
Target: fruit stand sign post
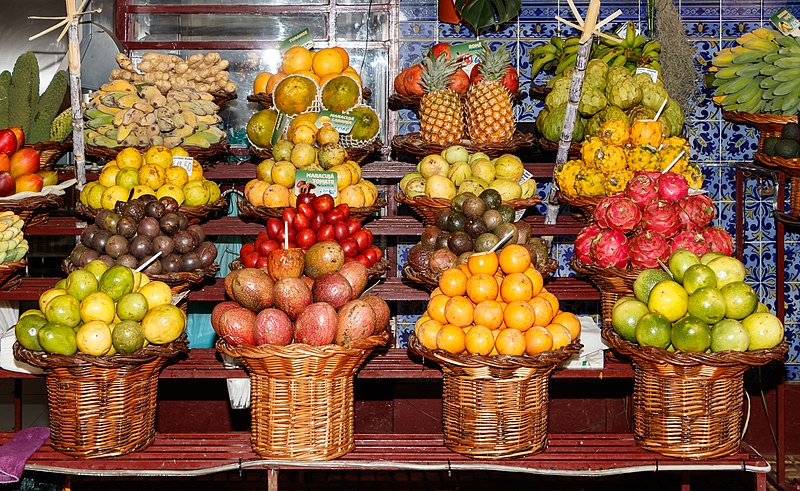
(70, 24)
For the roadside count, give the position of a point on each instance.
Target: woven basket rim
(411, 143)
(579, 201)
(249, 210)
(178, 278)
(427, 201)
(758, 118)
(721, 359)
(33, 203)
(792, 165)
(191, 212)
(547, 146)
(397, 100)
(504, 362)
(300, 350)
(628, 274)
(145, 355)
(419, 277)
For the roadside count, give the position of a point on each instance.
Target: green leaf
(484, 13)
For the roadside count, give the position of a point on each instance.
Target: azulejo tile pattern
(716, 144)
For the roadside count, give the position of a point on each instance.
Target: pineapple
(441, 117)
(490, 109)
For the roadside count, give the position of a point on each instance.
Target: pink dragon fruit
(695, 212)
(610, 248)
(672, 187)
(622, 214)
(583, 243)
(689, 240)
(600, 212)
(642, 189)
(647, 247)
(651, 174)
(659, 216)
(718, 240)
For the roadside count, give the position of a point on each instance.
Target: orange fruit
(479, 340)
(451, 339)
(436, 291)
(453, 282)
(323, 79)
(296, 59)
(488, 313)
(510, 342)
(294, 94)
(481, 287)
(486, 263)
(542, 309)
(494, 350)
(328, 60)
(464, 269)
(516, 286)
(570, 321)
(261, 81)
(538, 340)
(536, 279)
(273, 81)
(561, 336)
(519, 315)
(436, 308)
(313, 76)
(427, 333)
(514, 258)
(459, 311)
(344, 55)
(421, 320)
(351, 72)
(550, 298)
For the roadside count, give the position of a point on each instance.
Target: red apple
(5, 163)
(29, 182)
(7, 186)
(510, 79)
(20, 137)
(440, 48)
(25, 161)
(8, 142)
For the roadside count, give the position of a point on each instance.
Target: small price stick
(147, 263)
(285, 235)
(675, 161)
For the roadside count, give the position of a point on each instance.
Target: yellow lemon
(177, 176)
(157, 293)
(127, 178)
(179, 152)
(94, 338)
(173, 191)
(195, 193)
(163, 324)
(283, 173)
(129, 157)
(139, 280)
(197, 172)
(95, 196)
(97, 306)
(152, 176)
(158, 155)
(141, 190)
(113, 194)
(108, 176)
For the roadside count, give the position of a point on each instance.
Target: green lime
(699, 276)
(653, 330)
(116, 282)
(27, 331)
(58, 339)
(740, 300)
(729, 335)
(691, 334)
(132, 306)
(680, 261)
(707, 304)
(127, 337)
(626, 315)
(97, 268)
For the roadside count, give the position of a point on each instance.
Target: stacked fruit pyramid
(498, 334)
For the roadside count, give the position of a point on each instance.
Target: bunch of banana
(761, 74)
(13, 245)
(119, 114)
(632, 51)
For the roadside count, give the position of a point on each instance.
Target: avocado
(787, 148)
(791, 131)
(769, 145)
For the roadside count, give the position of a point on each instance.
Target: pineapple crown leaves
(484, 13)
(437, 72)
(494, 63)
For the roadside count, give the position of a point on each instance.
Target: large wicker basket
(249, 210)
(194, 214)
(102, 406)
(33, 210)
(427, 207)
(495, 406)
(582, 206)
(412, 144)
(11, 274)
(301, 397)
(689, 405)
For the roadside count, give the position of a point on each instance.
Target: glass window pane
(214, 27)
(353, 26)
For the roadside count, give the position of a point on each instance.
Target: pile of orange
(495, 304)
(320, 66)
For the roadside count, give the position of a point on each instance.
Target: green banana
(788, 87)
(540, 62)
(788, 62)
(748, 57)
(566, 62)
(727, 72)
(751, 70)
(558, 42)
(732, 86)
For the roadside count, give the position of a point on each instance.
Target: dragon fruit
(651, 174)
(718, 240)
(642, 189)
(672, 187)
(689, 240)
(600, 212)
(647, 247)
(583, 242)
(610, 248)
(695, 212)
(622, 214)
(659, 216)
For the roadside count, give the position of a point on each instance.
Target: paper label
(518, 214)
(786, 22)
(316, 182)
(302, 38)
(186, 162)
(623, 30)
(281, 121)
(653, 73)
(525, 176)
(467, 53)
(343, 123)
(135, 60)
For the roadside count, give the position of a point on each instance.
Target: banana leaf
(484, 13)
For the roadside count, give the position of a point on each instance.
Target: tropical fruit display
(101, 311)
(19, 165)
(320, 66)
(21, 105)
(608, 93)
(205, 72)
(123, 114)
(141, 228)
(133, 174)
(313, 298)
(785, 145)
(456, 171)
(702, 305)
(495, 304)
(13, 245)
(316, 219)
(759, 74)
(655, 216)
(610, 159)
(471, 225)
(631, 51)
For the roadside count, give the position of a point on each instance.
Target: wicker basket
(427, 207)
(398, 101)
(412, 144)
(760, 121)
(249, 210)
(689, 405)
(582, 206)
(195, 214)
(495, 406)
(11, 274)
(102, 406)
(301, 397)
(356, 154)
(791, 167)
(206, 156)
(612, 283)
(50, 152)
(178, 282)
(33, 210)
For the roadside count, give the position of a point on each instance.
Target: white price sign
(186, 162)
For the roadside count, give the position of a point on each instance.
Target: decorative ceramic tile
(412, 51)
(733, 29)
(702, 29)
(739, 142)
(417, 29)
(750, 11)
(418, 12)
(563, 254)
(726, 217)
(700, 10)
(792, 303)
(509, 30)
(407, 315)
(537, 30)
(538, 12)
(408, 127)
(704, 137)
(447, 31)
(711, 177)
(757, 221)
(727, 183)
(402, 256)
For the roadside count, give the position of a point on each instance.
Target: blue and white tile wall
(716, 143)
